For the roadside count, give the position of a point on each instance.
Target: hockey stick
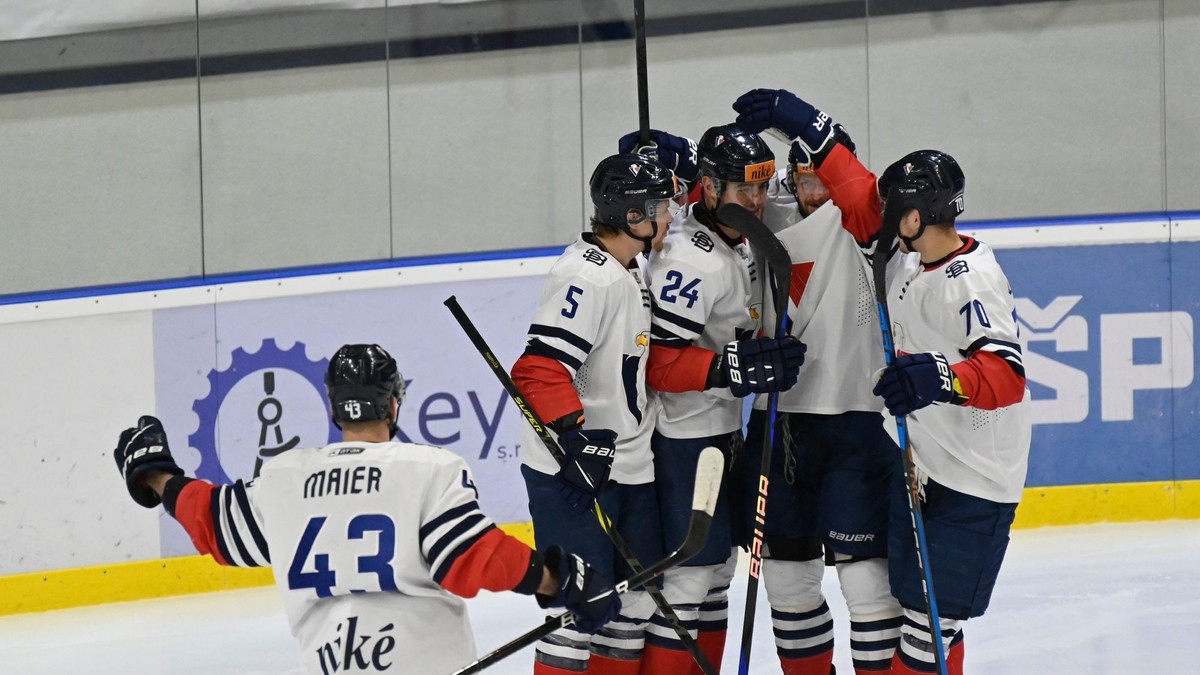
(888, 231)
(779, 262)
(605, 524)
(643, 88)
(709, 468)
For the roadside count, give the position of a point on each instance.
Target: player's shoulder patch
(956, 268)
(588, 264)
(703, 241)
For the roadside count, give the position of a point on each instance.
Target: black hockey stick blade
(763, 240)
(709, 469)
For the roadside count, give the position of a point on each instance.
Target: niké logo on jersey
(350, 650)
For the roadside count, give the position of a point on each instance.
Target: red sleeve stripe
(193, 510)
(988, 381)
(493, 561)
(546, 386)
(447, 564)
(855, 191)
(673, 369)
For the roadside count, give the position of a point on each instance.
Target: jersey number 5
(322, 579)
(572, 303)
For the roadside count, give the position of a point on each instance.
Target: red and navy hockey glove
(139, 450)
(914, 381)
(582, 590)
(588, 457)
(677, 153)
(759, 365)
(791, 116)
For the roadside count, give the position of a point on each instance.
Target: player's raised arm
(815, 136)
(220, 520)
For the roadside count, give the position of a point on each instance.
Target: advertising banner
(1108, 333)
(1110, 358)
(261, 392)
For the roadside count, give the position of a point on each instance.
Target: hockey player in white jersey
(371, 541)
(703, 359)
(960, 380)
(584, 372)
(833, 460)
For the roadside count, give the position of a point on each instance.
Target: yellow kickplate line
(76, 587)
(59, 589)
(1117, 503)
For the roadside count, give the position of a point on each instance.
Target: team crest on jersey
(265, 403)
(642, 339)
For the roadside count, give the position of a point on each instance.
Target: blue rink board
(1125, 347)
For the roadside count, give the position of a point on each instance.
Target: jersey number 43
(323, 578)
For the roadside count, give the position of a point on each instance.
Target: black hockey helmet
(935, 183)
(728, 153)
(631, 182)
(360, 382)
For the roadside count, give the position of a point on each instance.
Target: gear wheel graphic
(221, 382)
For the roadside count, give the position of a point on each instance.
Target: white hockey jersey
(831, 309)
(594, 319)
(959, 306)
(705, 293)
(358, 535)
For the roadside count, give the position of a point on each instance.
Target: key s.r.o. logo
(265, 403)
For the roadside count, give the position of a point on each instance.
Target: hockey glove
(783, 111)
(674, 152)
(588, 457)
(581, 590)
(761, 365)
(915, 381)
(142, 449)
(800, 155)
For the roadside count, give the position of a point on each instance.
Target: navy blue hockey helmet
(729, 153)
(626, 182)
(935, 185)
(360, 382)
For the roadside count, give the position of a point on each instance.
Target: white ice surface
(1109, 599)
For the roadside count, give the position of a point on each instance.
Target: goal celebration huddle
(887, 442)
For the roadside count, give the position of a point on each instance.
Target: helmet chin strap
(909, 241)
(647, 242)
